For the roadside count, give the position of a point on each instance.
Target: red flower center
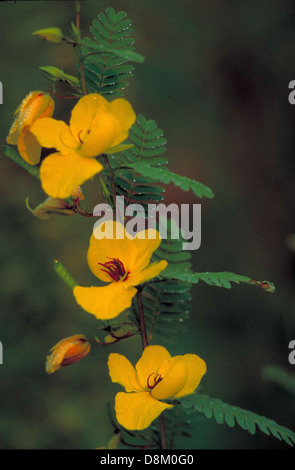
(115, 269)
(156, 379)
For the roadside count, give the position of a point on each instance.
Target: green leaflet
(106, 57)
(222, 279)
(166, 176)
(230, 415)
(15, 156)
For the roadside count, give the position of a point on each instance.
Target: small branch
(141, 319)
(111, 173)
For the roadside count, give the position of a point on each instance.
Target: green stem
(141, 319)
(111, 173)
(81, 63)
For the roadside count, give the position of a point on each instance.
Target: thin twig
(141, 319)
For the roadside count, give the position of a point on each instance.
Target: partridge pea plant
(143, 280)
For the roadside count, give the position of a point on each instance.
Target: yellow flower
(122, 261)
(35, 105)
(96, 126)
(67, 351)
(157, 376)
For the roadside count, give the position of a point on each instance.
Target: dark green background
(215, 79)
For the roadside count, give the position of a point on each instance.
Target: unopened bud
(35, 105)
(56, 75)
(50, 206)
(67, 351)
(54, 35)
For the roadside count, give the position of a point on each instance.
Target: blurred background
(215, 79)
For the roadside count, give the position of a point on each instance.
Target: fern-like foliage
(232, 415)
(106, 57)
(137, 170)
(166, 176)
(166, 304)
(148, 143)
(222, 279)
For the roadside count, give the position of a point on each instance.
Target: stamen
(157, 379)
(115, 269)
(80, 137)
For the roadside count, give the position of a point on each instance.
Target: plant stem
(162, 431)
(141, 319)
(111, 173)
(78, 14)
(81, 63)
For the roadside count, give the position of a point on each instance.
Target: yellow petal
(61, 174)
(196, 368)
(85, 112)
(51, 133)
(146, 243)
(174, 375)
(105, 302)
(111, 246)
(28, 147)
(122, 371)
(153, 270)
(152, 358)
(125, 115)
(100, 137)
(136, 411)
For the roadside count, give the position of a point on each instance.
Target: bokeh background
(215, 79)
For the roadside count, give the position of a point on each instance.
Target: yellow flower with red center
(35, 105)
(157, 376)
(67, 351)
(123, 262)
(96, 127)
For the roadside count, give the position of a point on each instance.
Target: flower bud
(35, 105)
(51, 206)
(56, 75)
(67, 351)
(54, 35)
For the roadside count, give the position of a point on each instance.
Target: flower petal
(125, 115)
(153, 270)
(146, 243)
(136, 411)
(101, 136)
(61, 174)
(51, 133)
(122, 371)
(196, 368)
(150, 361)
(174, 374)
(111, 246)
(28, 147)
(105, 302)
(85, 111)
